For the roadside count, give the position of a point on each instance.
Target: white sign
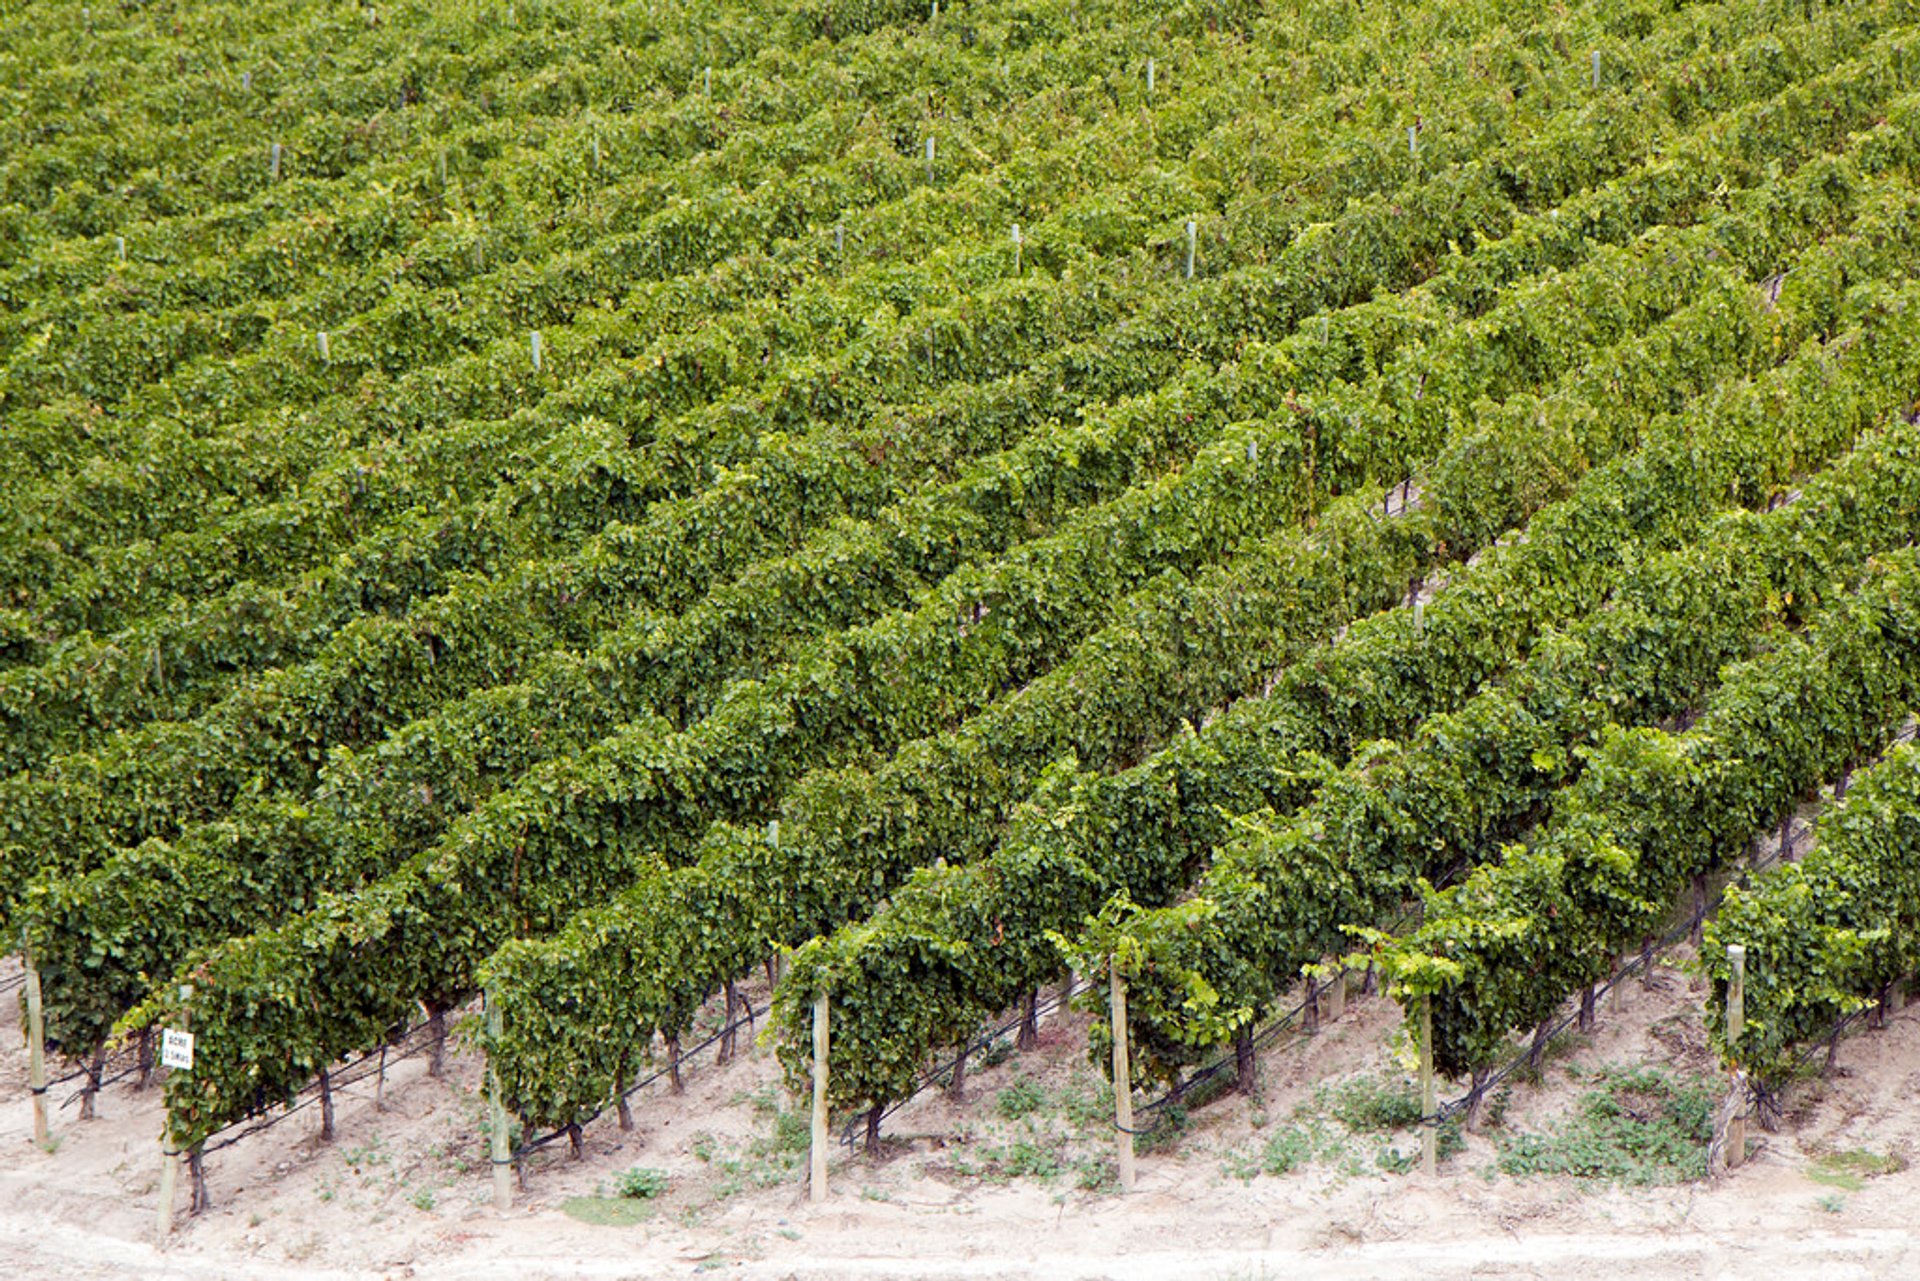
(176, 1049)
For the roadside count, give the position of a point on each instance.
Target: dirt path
(985, 1188)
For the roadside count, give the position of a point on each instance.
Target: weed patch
(1636, 1126)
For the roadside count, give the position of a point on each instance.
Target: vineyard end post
(1429, 1130)
(1736, 1023)
(170, 1155)
(1122, 1077)
(36, 1049)
(817, 1152)
(502, 1151)
(1335, 994)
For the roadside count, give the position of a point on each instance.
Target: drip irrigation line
(405, 1045)
(87, 1070)
(529, 1146)
(1827, 1042)
(940, 1072)
(1267, 1035)
(74, 1075)
(1636, 964)
(1264, 1037)
(105, 1081)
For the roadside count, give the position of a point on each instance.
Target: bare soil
(987, 1187)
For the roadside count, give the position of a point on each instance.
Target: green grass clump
(606, 1211)
(1849, 1170)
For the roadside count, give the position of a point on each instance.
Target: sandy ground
(971, 1189)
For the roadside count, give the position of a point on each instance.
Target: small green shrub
(1096, 1174)
(1639, 1126)
(1369, 1105)
(1160, 1131)
(1022, 1098)
(1026, 1159)
(1090, 1106)
(641, 1183)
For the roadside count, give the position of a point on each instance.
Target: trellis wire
(935, 1075)
(1634, 965)
(529, 1146)
(354, 1070)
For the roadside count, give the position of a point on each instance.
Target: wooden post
(1736, 1024)
(1596, 68)
(1149, 76)
(1334, 996)
(1029, 1034)
(1429, 1132)
(1017, 245)
(1122, 1077)
(170, 1155)
(36, 1047)
(533, 343)
(817, 1165)
(169, 1183)
(1192, 231)
(497, 1110)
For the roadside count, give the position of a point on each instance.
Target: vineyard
(609, 537)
